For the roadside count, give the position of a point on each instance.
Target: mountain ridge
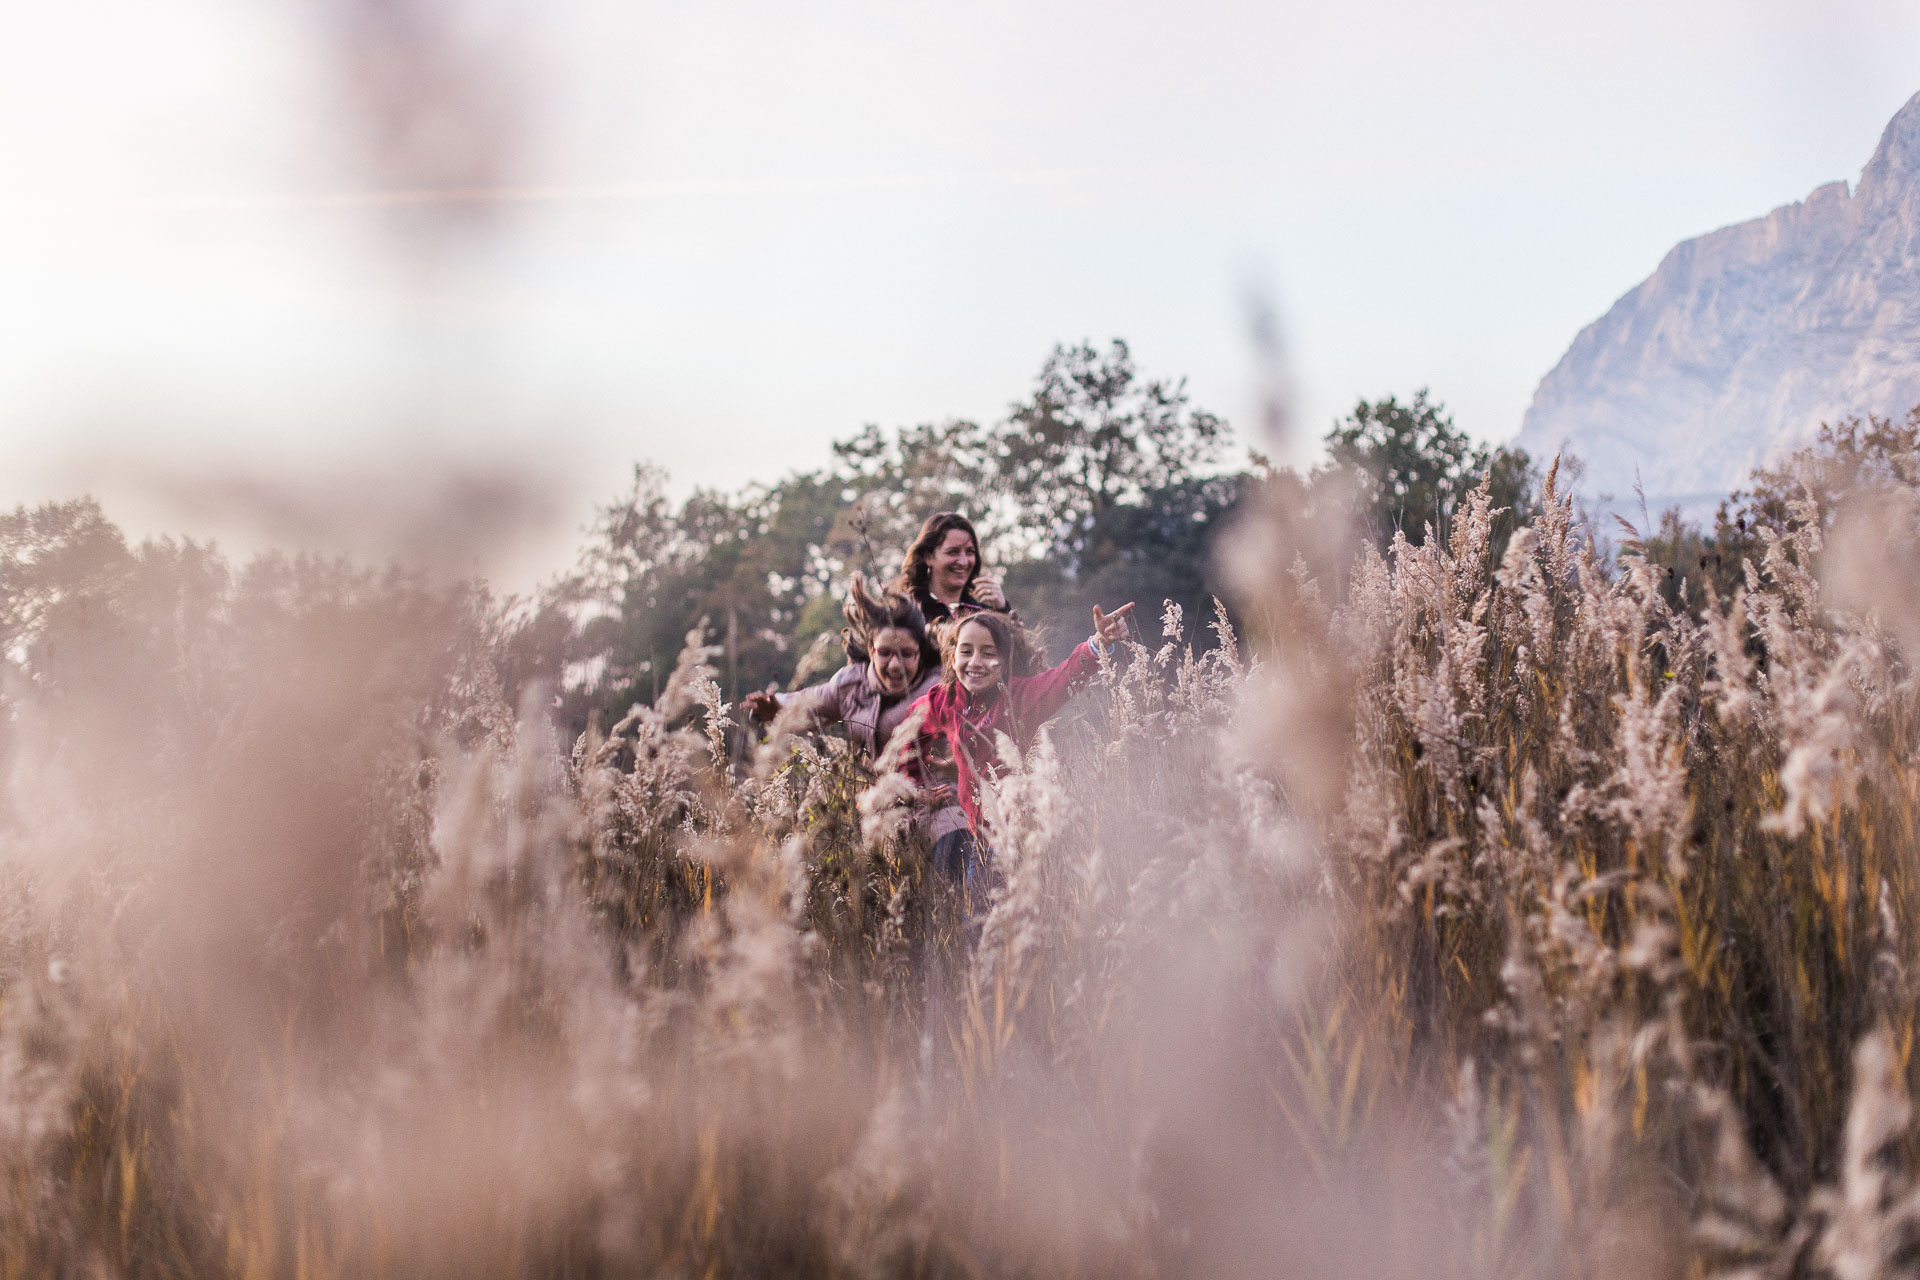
(1746, 338)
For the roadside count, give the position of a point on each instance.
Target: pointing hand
(1111, 628)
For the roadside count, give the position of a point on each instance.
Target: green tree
(1151, 551)
(745, 569)
(891, 482)
(1412, 467)
(162, 656)
(54, 560)
(1094, 436)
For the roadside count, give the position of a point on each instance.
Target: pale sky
(737, 231)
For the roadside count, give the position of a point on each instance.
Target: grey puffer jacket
(849, 697)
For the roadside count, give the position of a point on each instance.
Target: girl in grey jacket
(870, 698)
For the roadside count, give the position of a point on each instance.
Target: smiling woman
(941, 571)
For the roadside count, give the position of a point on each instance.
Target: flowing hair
(869, 612)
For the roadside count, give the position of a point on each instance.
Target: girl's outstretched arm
(823, 699)
(1037, 698)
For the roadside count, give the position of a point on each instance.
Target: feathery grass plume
(1740, 1229)
(879, 1214)
(706, 692)
(887, 807)
(1026, 809)
(691, 669)
(1816, 712)
(1276, 560)
(1867, 566)
(1872, 1220)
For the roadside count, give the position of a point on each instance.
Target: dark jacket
(936, 610)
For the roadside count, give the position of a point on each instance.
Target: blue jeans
(961, 857)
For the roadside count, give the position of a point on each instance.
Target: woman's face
(893, 660)
(954, 561)
(976, 659)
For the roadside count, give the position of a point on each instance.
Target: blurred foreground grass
(1471, 917)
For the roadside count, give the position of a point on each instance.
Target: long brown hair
(869, 612)
(916, 567)
(1008, 638)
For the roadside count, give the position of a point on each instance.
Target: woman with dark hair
(870, 697)
(941, 571)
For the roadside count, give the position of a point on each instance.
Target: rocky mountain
(1745, 339)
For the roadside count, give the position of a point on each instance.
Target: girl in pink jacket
(975, 701)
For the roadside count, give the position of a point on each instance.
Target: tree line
(1101, 484)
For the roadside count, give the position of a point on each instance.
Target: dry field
(1468, 917)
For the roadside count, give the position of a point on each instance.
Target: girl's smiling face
(977, 660)
(954, 561)
(893, 660)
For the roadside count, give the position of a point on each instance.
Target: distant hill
(1746, 339)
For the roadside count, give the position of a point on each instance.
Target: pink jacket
(1023, 705)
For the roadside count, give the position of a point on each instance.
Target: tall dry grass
(1469, 918)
